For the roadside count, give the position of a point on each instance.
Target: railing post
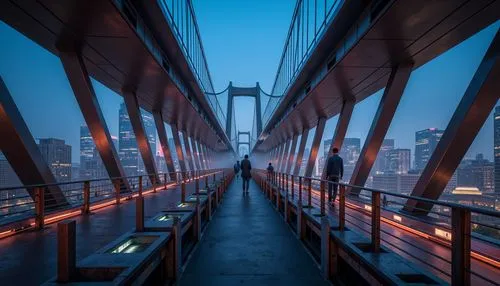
(116, 184)
(293, 186)
(206, 182)
(213, 178)
(375, 221)
(300, 189)
(183, 192)
(66, 250)
(322, 197)
(139, 214)
(153, 182)
(165, 181)
(325, 247)
(460, 246)
(197, 185)
(39, 207)
(309, 193)
(140, 186)
(86, 197)
(342, 208)
(278, 193)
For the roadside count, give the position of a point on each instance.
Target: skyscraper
(8, 177)
(496, 146)
(398, 160)
(87, 147)
(382, 162)
(350, 153)
(425, 143)
(58, 157)
(128, 151)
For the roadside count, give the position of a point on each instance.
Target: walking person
(246, 167)
(270, 171)
(334, 173)
(237, 169)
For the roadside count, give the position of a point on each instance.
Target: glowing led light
(368, 207)
(442, 233)
(397, 218)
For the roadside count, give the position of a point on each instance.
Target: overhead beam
(83, 90)
(318, 135)
(380, 124)
(162, 136)
(479, 99)
(21, 151)
(340, 130)
(135, 116)
(178, 147)
(291, 154)
(300, 152)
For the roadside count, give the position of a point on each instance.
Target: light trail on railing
(436, 239)
(103, 204)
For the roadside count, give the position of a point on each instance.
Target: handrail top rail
(212, 171)
(487, 212)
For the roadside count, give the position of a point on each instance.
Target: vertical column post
(86, 197)
(139, 187)
(139, 214)
(66, 250)
(116, 185)
(183, 192)
(309, 193)
(300, 152)
(322, 197)
(39, 207)
(318, 135)
(325, 247)
(342, 208)
(375, 233)
(460, 246)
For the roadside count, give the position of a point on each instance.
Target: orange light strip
(474, 254)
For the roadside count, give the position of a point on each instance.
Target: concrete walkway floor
(248, 243)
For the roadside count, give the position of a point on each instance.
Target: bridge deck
(248, 243)
(30, 258)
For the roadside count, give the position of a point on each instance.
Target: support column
(196, 154)
(258, 110)
(300, 152)
(380, 124)
(178, 147)
(135, 116)
(202, 155)
(229, 110)
(284, 160)
(280, 156)
(479, 99)
(21, 150)
(291, 154)
(207, 156)
(162, 136)
(85, 95)
(318, 135)
(340, 130)
(189, 156)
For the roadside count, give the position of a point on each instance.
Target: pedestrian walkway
(248, 243)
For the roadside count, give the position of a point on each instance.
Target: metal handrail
(87, 180)
(373, 214)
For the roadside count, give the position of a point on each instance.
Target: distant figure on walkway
(237, 169)
(270, 171)
(334, 173)
(246, 167)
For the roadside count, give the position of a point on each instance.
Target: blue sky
(243, 41)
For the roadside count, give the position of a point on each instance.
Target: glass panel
(186, 159)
